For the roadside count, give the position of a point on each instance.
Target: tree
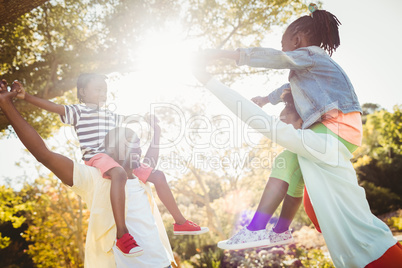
(379, 161)
(11, 10)
(54, 219)
(231, 24)
(48, 47)
(369, 108)
(58, 226)
(15, 208)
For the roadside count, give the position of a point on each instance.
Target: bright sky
(368, 33)
(369, 53)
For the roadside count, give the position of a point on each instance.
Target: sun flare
(162, 71)
(166, 54)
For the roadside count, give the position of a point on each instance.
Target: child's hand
(17, 87)
(5, 96)
(260, 101)
(3, 86)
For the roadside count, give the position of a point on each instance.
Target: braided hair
(320, 28)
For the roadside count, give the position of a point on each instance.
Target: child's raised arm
(39, 102)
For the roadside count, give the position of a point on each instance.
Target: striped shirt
(91, 126)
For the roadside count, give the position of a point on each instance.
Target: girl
(354, 236)
(324, 98)
(91, 124)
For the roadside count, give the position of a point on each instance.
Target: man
(87, 182)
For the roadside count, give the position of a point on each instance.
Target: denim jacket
(317, 82)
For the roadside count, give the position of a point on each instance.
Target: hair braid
(326, 27)
(321, 29)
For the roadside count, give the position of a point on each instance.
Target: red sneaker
(128, 246)
(188, 228)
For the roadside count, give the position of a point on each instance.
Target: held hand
(17, 87)
(260, 101)
(5, 96)
(199, 68)
(3, 86)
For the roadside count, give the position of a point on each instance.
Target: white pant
(141, 225)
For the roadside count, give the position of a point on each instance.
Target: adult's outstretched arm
(60, 165)
(313, 146)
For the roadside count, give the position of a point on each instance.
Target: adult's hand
(199, 68)
(5, 95)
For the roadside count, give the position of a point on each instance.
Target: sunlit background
(160, 81)
(368, 53)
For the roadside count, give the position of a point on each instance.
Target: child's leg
(118, 177)
(293, 198)
(289, 209)
(182, 226)
(273, 194)
(285, 178)
(165, 195)
(110, 169)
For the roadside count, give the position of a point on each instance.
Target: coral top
(347, 126)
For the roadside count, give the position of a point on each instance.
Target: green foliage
(4, 242)
(383, 134)
(369, 108)
(381, 200)
(379, 160)
(11, 205)
(395, 222)
(231, 24)
(15, 208)
(316, 258)
(50, 46)
(59, 223)
(207, 259)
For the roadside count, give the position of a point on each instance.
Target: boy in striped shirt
(91, 123)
